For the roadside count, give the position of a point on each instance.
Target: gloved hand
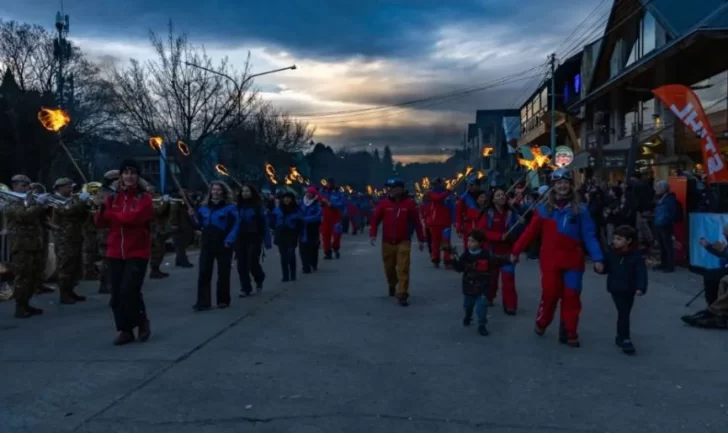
(42, 199)
(84, 196)
(165, 198)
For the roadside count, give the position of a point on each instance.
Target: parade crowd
(125, 224)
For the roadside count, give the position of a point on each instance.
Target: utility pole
(552, 61)
(62, 53)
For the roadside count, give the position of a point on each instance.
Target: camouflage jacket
(70, 221)
(160, 221)
(25, 226)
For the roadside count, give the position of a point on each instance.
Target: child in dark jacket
(476, 264)
(626, 278)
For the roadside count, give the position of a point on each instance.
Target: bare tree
(171, 98)
(277, 132)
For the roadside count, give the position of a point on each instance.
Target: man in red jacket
(399, 216)
(438, 219)
(127, 213)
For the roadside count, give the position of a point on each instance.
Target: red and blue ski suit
(467, 214)
(333, 208)
(497, 224)
(437, 219)
(564, 236)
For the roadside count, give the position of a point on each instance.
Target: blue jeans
(288, 262)
(478, 303)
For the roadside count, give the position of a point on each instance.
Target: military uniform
(160, 232)
(69, 221)
(90, 250)
(110, 177)
(26, 248)
(184, 234)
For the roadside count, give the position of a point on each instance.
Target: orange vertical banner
(686, 106)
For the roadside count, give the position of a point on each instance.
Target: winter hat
(311, 190)
(130, 164)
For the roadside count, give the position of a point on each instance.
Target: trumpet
(53, 200)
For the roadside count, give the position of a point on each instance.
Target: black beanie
(129, 163)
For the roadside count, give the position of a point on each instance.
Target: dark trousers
(181, 242)
(667, 251)
(248, 255)
(209, 254)
(288, 262)
(428, 238)
(125, 278)
(309, 255)
(623, 302)
(345, 225)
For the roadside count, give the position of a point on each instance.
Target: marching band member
(25, 229)
(288, 227)
(127, 213)
(68, 240)
(110, 177)
(566, 229)
(39, 189)
(398, 214)
(219, 221)
(159, 235)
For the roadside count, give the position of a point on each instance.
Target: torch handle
(522, 218)
(176, 181)
(73, 160)
(202, 176)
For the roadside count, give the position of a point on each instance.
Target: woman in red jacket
(127, 213)
(499, 220)
(437, 220)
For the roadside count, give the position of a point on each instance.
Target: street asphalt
(332, 353)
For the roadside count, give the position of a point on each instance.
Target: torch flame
(294, 176)
(349, 189)
(538, 161)
(271, 173)
(468, 170)
(426, 182)
(183, 148)
(323, 182)
(370, 190)
(488, 151)
(156, 143)
(481, 174)
(53, 120)
(222, 169)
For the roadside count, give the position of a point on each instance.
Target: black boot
(482, 330)
(392, 291)
(468, 317)
(327, 256)
(336, 254)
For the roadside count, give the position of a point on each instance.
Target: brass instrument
(92, 188)
(54, 201)
(4, 187)
(171, 200)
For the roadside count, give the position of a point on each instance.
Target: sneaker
(403, 303)
(627, 347)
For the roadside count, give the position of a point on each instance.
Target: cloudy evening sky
(352, 55)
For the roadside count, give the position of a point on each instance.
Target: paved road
(332, 353)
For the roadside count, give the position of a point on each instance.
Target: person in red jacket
(399, 216)
(438, 219)
(127, 213)
(332, 201)
(566, 230)
(425, 208)
(467, 210)
(499, 220)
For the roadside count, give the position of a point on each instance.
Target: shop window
(634, 54)
(631, 121)
(648, 112)
(545, 99)
(615, 62)
(649, 33)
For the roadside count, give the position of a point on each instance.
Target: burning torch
(156, 144)
(55, 121)
(185, 150)
(224, 171)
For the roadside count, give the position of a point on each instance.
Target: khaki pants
(720, 306)
(396, 260)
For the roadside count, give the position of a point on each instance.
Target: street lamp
(239, 87)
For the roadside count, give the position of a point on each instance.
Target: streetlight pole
(239, 86)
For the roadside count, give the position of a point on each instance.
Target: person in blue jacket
(310, 239)
(253, 234)
(218, 220)
(288, 227)
(665, 217)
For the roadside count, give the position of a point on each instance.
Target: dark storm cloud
(313, 28)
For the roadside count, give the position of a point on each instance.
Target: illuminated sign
(563, 155)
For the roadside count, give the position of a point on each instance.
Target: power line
(428, 103)
(345, 113)
(583, 23)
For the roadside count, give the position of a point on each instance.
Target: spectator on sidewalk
(665, 216)
(716, 315)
